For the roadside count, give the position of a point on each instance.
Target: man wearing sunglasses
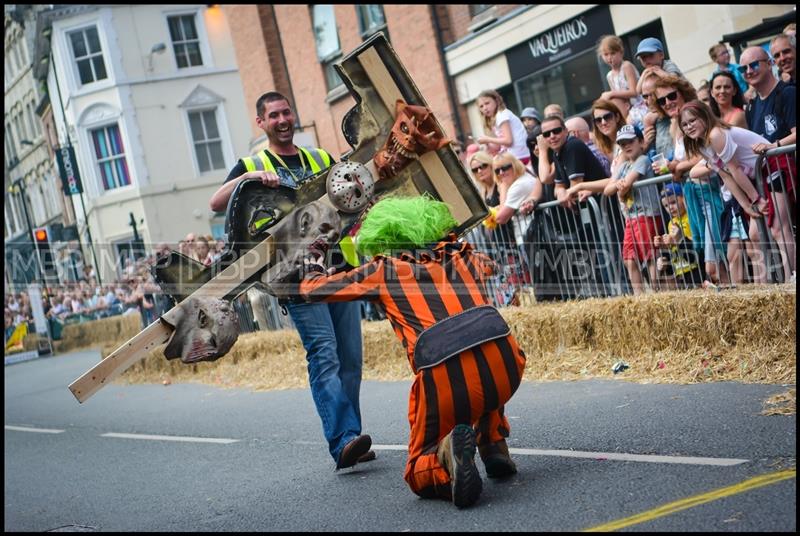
(772, 113)
(574, 161)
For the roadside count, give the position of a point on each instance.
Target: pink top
(728, 117)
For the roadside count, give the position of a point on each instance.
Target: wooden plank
(120, 360)
(388, 91)
(159, 331)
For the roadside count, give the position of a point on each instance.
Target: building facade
(540, 54)
(532, 54)
(31, 186)
(150, 99)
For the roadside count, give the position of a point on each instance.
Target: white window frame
(65, 59)
(202, 36)
(96, 163)
(215, 109)
(224, 133)
(74, 60)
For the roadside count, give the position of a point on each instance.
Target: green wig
(403, 223)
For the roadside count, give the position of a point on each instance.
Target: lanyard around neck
(280, 160)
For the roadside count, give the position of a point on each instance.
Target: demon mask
(415, 132)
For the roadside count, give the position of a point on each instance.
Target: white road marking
(37, 430)
(171, 438)
(617, 456)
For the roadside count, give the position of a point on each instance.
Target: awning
(768, 27)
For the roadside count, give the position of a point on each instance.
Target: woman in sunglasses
(608, 119)
(728, 151)
(481, 164)
(515, 185)
(727, 101)
(702, 195)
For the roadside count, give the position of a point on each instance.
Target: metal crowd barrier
(776, 181)
(563, 254)
(556, 253)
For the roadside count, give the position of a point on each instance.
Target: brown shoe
(368, 457)
(354, 450)
(497, 460)
(456, 453)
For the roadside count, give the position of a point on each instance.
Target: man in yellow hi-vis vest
(331, 333)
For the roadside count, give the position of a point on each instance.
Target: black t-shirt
(776, 116)
(295, 173)
(575, 161)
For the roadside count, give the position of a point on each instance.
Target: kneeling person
(465, 361)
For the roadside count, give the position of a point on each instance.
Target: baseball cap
(531, 112)
(672, 188)
(629, 132)
(649, 45)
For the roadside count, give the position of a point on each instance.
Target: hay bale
(745, 335)
(107, 333)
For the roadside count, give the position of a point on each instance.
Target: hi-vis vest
(317, 158)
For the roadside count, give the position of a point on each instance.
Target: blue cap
(629, 132)
(649, 45)
(672, 188)
(532, 113)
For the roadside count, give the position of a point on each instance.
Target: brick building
(299, 65)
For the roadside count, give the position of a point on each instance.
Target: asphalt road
(64, 473)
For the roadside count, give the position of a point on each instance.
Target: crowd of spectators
(647, 123)
(134, 290)
(654, 122)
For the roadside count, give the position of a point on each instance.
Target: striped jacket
(417, 288)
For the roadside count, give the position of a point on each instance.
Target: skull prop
(414, 133)
(350, 186)
(316, 224)
(205, 330)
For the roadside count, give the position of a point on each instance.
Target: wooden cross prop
(376, 80)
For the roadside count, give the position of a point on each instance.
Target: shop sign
(68, 166)
(566, 39)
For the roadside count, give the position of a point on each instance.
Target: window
(185, 41)
(88, 55)
(371, 20)
(477, 9)
(110, 155)
(207, 141)
(327, 40)
(574, 84)
(31, 121)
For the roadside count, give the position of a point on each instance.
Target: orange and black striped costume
(417, 289)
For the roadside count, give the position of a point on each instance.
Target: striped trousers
(471, 388)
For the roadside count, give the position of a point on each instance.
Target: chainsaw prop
(398, 147)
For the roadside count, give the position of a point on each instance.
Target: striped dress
(417, 289)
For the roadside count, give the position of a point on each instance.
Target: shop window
(574, 84)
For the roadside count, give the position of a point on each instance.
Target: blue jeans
(704, 207)
(331, 335)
